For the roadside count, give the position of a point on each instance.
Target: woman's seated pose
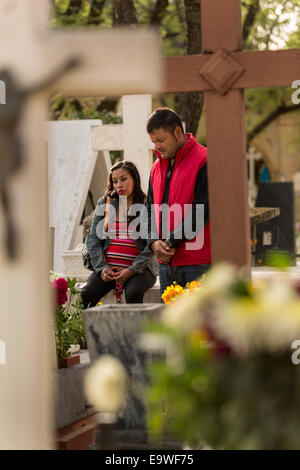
(119, 261)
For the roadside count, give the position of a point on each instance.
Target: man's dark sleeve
(201, 197)
(152, 229)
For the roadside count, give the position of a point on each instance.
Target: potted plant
(68, 322)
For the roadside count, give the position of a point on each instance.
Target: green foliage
(63, 332)
(86, 108)
(68, 323)
(278, 259)
(81, 14)
(177, 394)
(274, 27)
(116, 156)
(227, 402)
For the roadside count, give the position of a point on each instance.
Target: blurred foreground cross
(118, 62)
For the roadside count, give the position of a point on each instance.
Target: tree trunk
(96, 10)
(74, 7)
(158, 12)
(250, 18)
(124, 12)
(191, 104)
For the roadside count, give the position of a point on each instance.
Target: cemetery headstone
(277, 233)
(115, 330)
(71, 164)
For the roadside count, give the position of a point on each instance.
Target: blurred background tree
(267, 25)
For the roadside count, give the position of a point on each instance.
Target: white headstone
(71, 163)
(252, 156)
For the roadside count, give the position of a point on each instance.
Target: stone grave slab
(71, 404)
(115, 330)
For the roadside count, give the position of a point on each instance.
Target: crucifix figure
(10, 146)
(223, 71)
(31, 53)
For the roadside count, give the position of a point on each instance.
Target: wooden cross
(110, 62)
(222, 72)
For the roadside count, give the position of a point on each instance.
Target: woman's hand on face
(107, 275)
(123, 276)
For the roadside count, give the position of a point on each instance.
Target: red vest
(189, 159)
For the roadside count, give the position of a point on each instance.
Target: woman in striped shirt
(119, 261)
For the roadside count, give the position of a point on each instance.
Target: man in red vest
(177, 201)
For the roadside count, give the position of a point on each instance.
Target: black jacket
(97, 243)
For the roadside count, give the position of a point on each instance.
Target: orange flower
(172, 292)
(191, 286)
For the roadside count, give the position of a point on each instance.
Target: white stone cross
(118, 62)
(131, 136)
(252, 156)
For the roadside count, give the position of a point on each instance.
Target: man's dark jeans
(180, 274)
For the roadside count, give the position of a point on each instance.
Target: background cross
(222, 72)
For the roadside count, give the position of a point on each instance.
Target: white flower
(184, 314)
(218, 280)
(54, 276)
(236, 322)
(269, 321)
(106, 384)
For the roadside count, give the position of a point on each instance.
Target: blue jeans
(180, 274)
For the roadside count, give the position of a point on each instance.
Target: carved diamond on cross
(222, 71)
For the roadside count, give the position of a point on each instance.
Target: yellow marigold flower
(171, 292)
(99, 303)
(191, 286)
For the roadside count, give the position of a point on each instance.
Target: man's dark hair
(164, 118)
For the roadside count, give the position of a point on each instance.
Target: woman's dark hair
(164, 118)
(138, 194)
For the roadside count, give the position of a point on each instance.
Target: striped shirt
(122, 250)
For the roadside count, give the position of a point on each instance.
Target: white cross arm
(108, 137)
(112, 62)
(116, 61)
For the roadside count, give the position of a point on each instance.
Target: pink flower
(61, 286)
